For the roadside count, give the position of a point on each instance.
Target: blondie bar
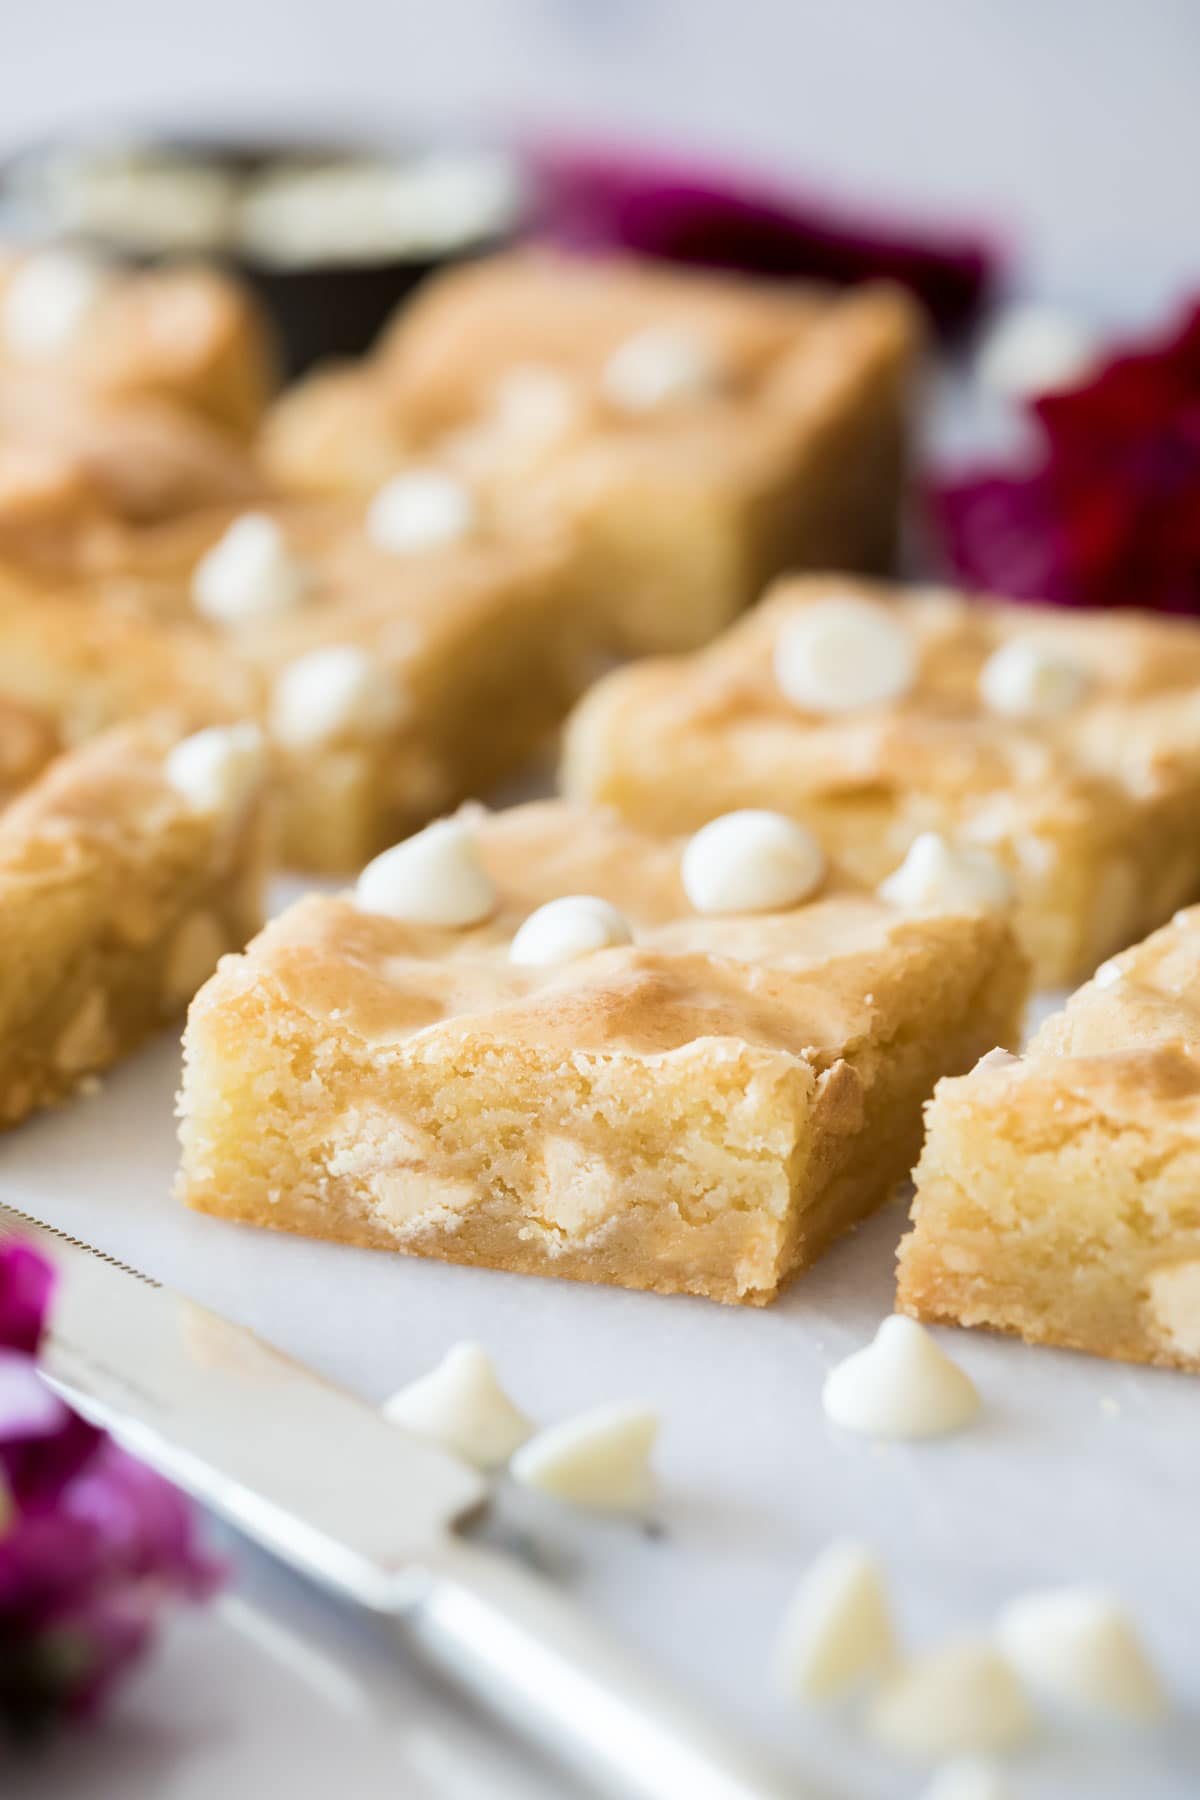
(1057, 1193)
(1066, 745)
(627, 1086)
(126, 870)
(697, 433)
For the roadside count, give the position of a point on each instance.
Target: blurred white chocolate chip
(751, 861)
(563, 929)
(959, 1698)
(49, 299)
(216, 770)
(423, 509)
(534, 406)
(844, 654)
(434, 878)
(659, 367)
(600, 1459)
(335, 692)
(837, 1631)
(937, 876)
(968, 1778)
(1035, 349)
(248, 574)
(1079, 1647)
(1031, 681)
(902, 1385)
(461, 1405)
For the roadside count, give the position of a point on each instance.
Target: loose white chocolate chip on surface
(49, 299)
(751, 861)
(563, 929)
(959, 1698)
(434, 878)
(937, 876)
(843, 655)
(1078, 1646)
(423, 509)
(1031, 681)
(600, 1459)
(968, 1778)
(248, 574)
(1035, 349)
(461, 1405)
(217, 769)
(837, 1630)
(658, 367)
(902, 1385)
(334, 692)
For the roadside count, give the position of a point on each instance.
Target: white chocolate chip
(600, 1459)
(837, 1630)
(423, 509)
(563, 929)
(937, 876)
(843, 655)
(968, 1778)
(534, 406)
(248, 574)
(217, 770)
(1035, 349)
(751, 861)
(434, 878)
(658, 367)
(959, 1698)
(998, 1059)
(461, 1404)
(339, 691)
(1031, 681)
(49, 300)
(1108, 974)
(902, 1385)
(1078, 1646)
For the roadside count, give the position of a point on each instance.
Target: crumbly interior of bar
(116, 902)
(1090, 812)
(1059, 1197)
(700, 1113)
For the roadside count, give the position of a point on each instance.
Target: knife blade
(319, 1477)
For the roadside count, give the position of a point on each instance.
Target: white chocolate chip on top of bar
(49, 300)
(659, 367)
(216, 770)
(600, 1459)
(937, 876)
(248, 574)
(843, 655)
(751, 861)
(461, 1404)
(901, 1385)
(575, 925)
(422, 509)
(338, 691)
(1031, 681)
(433, 878)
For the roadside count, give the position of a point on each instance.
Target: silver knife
(320, 1478)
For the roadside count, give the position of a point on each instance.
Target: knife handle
(533, 1660)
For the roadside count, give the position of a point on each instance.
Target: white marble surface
(1079, 1470)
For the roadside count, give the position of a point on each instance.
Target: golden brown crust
(1056, 1195)
(793, 458)
(116, 900)
(699, 1112)
(1090, 810)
